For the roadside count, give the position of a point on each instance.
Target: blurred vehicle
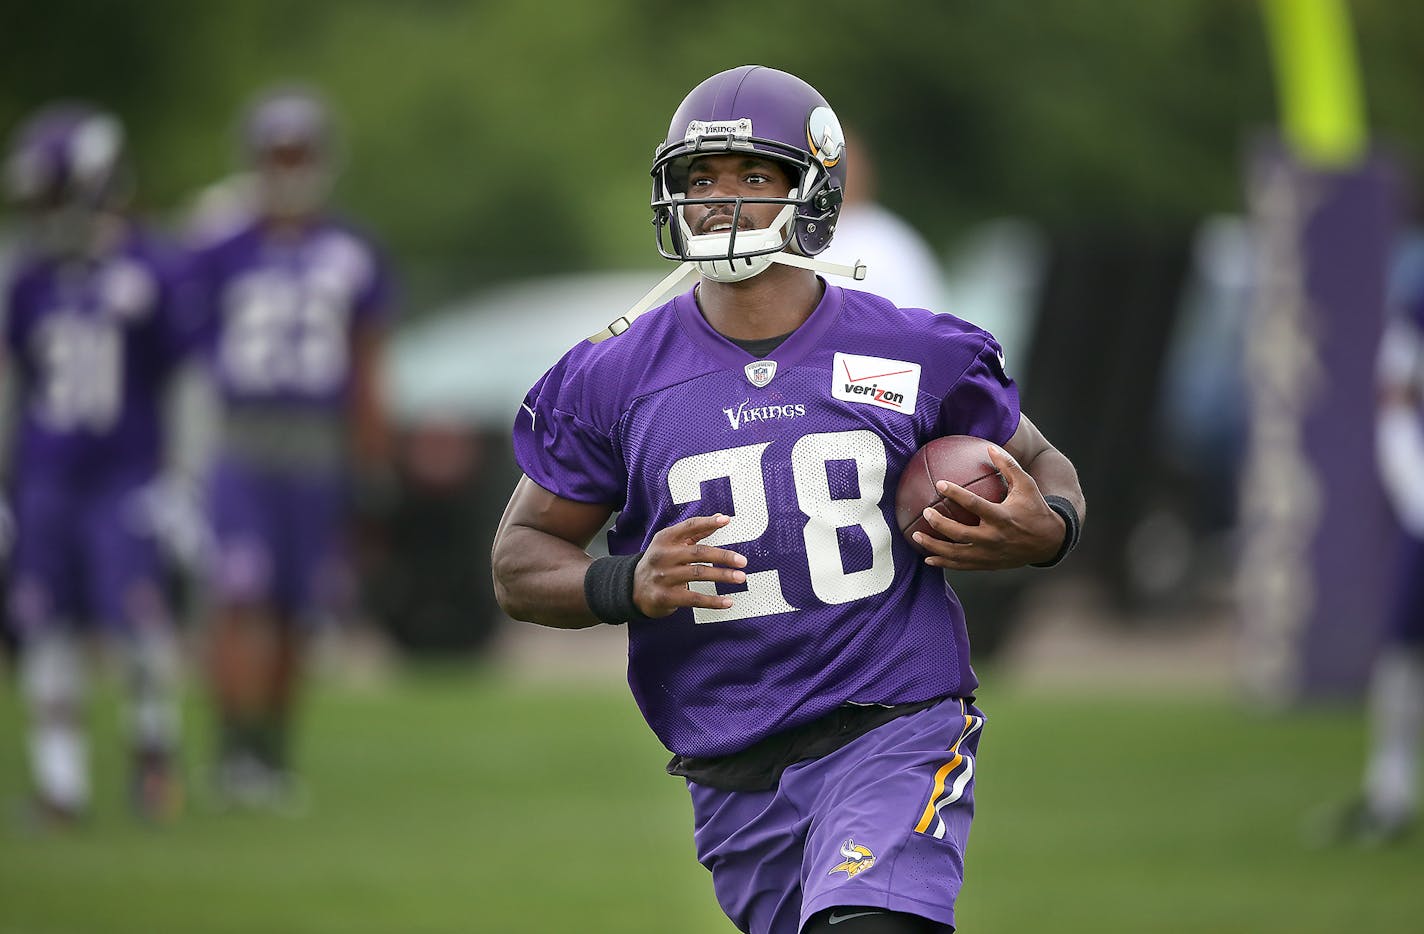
(472, 362)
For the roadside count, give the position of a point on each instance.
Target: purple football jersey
(282, 308)
(803, 449)
(93, 344)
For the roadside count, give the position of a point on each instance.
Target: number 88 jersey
(803, 450)
(283, 308)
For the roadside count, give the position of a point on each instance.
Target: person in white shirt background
(900, 264)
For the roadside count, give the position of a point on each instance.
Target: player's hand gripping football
(1021, 530)
(675, 557)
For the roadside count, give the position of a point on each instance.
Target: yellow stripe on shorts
(942, 774)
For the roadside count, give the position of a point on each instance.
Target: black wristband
(608, 588)
(1073, 528)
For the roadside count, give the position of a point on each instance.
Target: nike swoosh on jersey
(837, 919)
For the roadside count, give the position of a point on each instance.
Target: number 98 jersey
(803, 449)
(93, 343)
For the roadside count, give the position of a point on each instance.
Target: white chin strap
(710, 251)
(677, 280)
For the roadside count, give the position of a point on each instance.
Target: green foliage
(494, 139)
(467, 801)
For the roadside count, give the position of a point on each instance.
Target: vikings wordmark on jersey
(662, 424)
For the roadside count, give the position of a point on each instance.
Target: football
(961, 459)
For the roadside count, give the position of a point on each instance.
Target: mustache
(715, 215)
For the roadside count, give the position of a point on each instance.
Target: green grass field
(472, 802)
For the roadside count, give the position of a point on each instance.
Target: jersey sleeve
(983, 401)
(183, 305)
(7, 319)
(558, 445)
(201, 298)
(13, 316)
(375, 301)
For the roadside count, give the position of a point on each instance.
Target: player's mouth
(721, 223)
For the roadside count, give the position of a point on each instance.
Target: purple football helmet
(287, 138)
(287, 117)
(769, 112)
(67, 156)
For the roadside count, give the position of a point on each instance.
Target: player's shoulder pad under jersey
(596, 380)
(943, 344)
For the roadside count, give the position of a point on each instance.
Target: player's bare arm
(370, 430)
(1021, 530)
(540, 562)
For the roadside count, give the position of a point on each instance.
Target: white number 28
(825, 515)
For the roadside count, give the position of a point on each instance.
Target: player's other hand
(1021, 530)
(674, 558)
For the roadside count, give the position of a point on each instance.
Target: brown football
(961, 459)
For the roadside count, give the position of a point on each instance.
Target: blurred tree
(494, 139)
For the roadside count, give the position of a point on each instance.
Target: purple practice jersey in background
(283, 306)
(93, 344)
(803, 449)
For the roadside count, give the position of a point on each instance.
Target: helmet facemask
(736, 254)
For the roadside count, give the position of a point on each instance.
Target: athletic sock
(1396, 714)
(270, 742)
(153, 670)
(53, 684)
(59, 759)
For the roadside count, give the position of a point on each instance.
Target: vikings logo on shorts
(857, 860)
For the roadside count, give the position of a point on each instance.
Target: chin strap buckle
(673, 281)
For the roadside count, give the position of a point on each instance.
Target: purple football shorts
(1405, 624)
(278, 538)
(881, 822)
(84, 556)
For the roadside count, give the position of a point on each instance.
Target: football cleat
(1357, 823)
(155, 789)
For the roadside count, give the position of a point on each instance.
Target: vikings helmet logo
(824, 136)
(857, 860)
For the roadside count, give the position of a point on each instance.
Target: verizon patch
(877, 381)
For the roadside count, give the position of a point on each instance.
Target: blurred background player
(901, 265)
(94, 329)
(1388, 801)
(298, 303)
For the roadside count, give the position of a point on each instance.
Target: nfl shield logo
(760, 372)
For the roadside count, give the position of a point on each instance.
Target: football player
(806, 666)
(298, 303)
(1387, 805)
(95, 327)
